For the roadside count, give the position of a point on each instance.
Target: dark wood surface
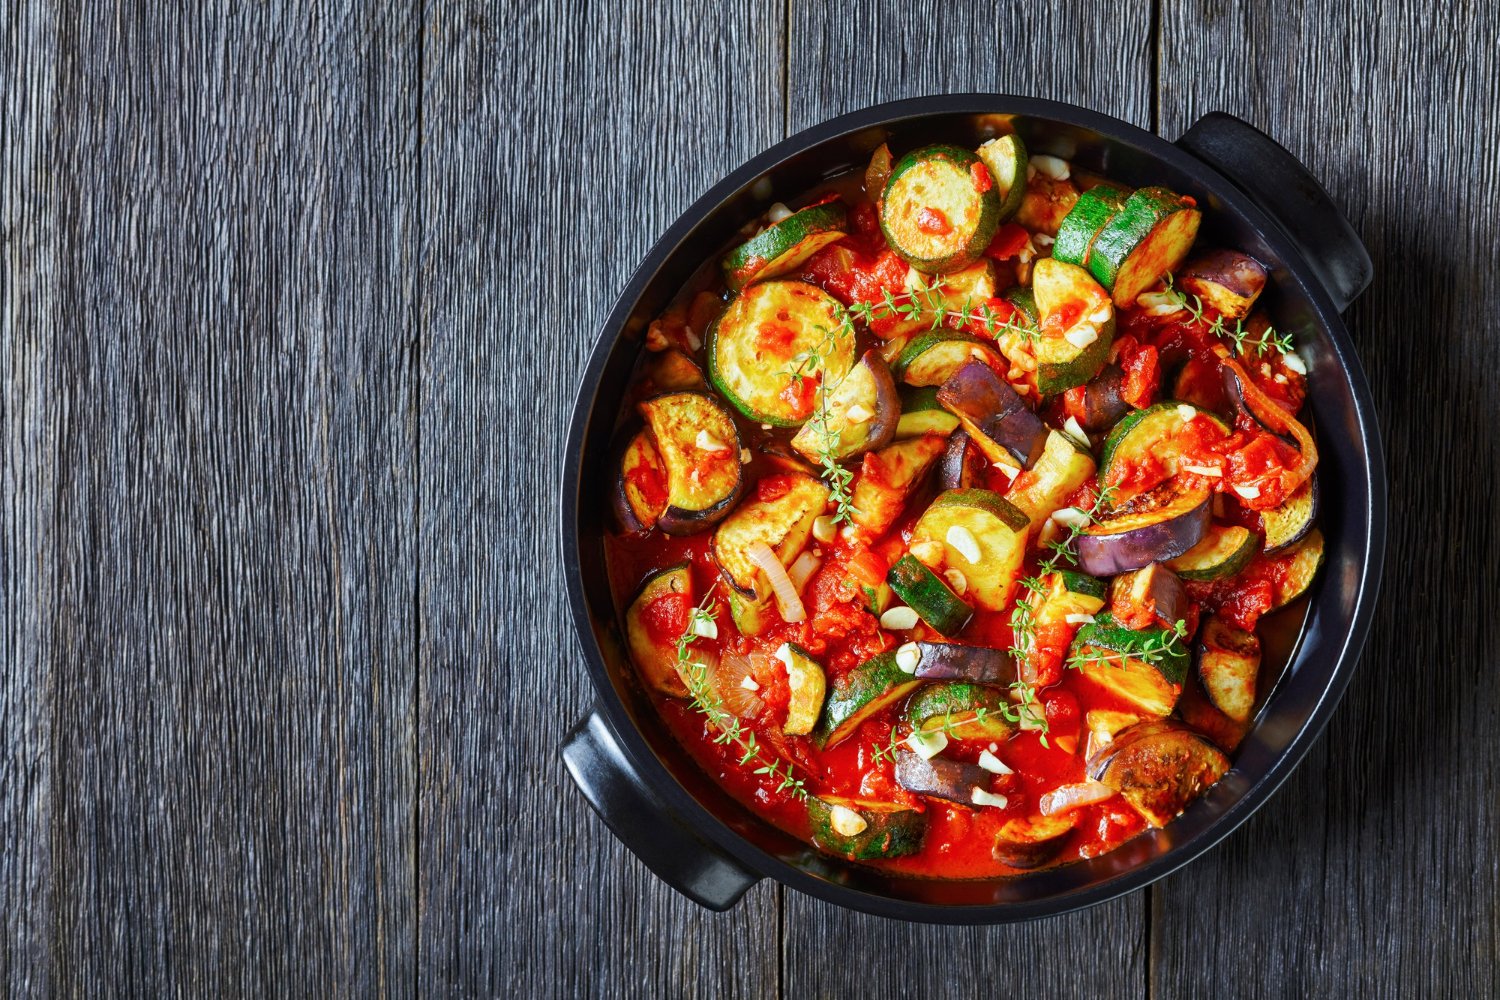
(294, 299)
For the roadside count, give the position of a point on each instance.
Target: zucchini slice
(1151, 435)
(785, 246)
(1064, 466)
(1089, 215)
(929, 596)
(921, 413)
(653, 624)
(887, 479)
(862, 413)
(754, 347)
(1005, 157)
(640, 494)
(862, 830)
(1031, 841)
(979, 533)
(1143, 667)
(1227, 281)
(940, 208)
(807, 686)
(994, 416)
(966, 711)
(859, 694)
(1077, 322)
(1147, 238)
(1159, 767)
(1302, 565)
(783, 523)
(700, 449)
(752, 616)
(1289, 524)
(1228, 665)
(1225, 550)
(1070, 593)
(932, 358)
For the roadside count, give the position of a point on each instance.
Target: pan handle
(1281, 186)
(644, 824)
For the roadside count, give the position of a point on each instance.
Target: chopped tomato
(649, 484)
(1142, 374)
(1061, 708)
(1074, 403)
(1010, 239)
(933, 222)
(995, 313)
(666, 618)
(773, 488)
(1061, 321)
(775, 338)
(800, 394)
(981, 177)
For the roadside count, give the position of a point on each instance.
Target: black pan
(1259, 199)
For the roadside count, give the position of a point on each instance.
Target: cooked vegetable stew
(950, 505)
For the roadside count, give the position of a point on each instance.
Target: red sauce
(980, 176)
(933, 222)
(841, 632)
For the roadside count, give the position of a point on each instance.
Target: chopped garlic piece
(1043, 240)
(1102, 315)
(858, 414)
(824, 530)
(991, 763)
(963, 540)
(846, 822)
(927, 745)
(956, 580)
(1295, 363)
(908, 657)
(1160, 303)
(1185, 412)
(1075, 430)
(1071, 517)
(778, 213)
(980, 797)
(784, 654)
(692, 338)
(1010, 471)
(1081, 336)
(928, 553)
(899, 619)
(1203, 470)
(1079, 619)
(749, 684)
(1248, 492)
(744, 456)
(707, 442)
(1050, 166)
(705, 627)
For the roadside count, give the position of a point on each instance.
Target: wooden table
(295, 297)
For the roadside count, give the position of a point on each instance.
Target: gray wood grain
(533, 119)
(844, 58)
(1375, 872)
(207, 732)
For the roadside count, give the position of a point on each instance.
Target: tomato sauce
(841, 631)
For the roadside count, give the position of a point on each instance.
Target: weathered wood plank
(1375, 872)
(842, 59)
(560, 141)
(209, 250)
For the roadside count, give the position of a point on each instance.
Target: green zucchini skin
(1148, 237)
(1087, 218)
(921, 413)
(1225, 550)
(755, 374)
(859, 694)
(932, 358)
(940, 179)
(784, 246)
(929, 596)
(1062, 364)
(955, 706)
(891, 831)
(1006, 159)
(1151, 684)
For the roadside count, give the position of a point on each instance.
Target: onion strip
(788, 601)
(1280, 422)
(802, 570)
(1066, 798)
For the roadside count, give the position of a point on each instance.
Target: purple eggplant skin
(626, 516)
(962, 464)
(943, 779)
(1157, 590)
(1032, 842)
(1227, 280)
(948, 661)
(882, 428)
(1289, 524)
(993, 413)
(1154, 527)
(1102, 405)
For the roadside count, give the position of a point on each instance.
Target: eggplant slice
(1159, 767)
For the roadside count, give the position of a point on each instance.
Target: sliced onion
(1066, 798)
(1277, 420)
(788, 602)
(730, 676)
(806, 565)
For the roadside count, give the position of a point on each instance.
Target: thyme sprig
(1244, 341)
(925, 299)
(1023, 616)
(709, 703)
(838, 478)
(1156, 647)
